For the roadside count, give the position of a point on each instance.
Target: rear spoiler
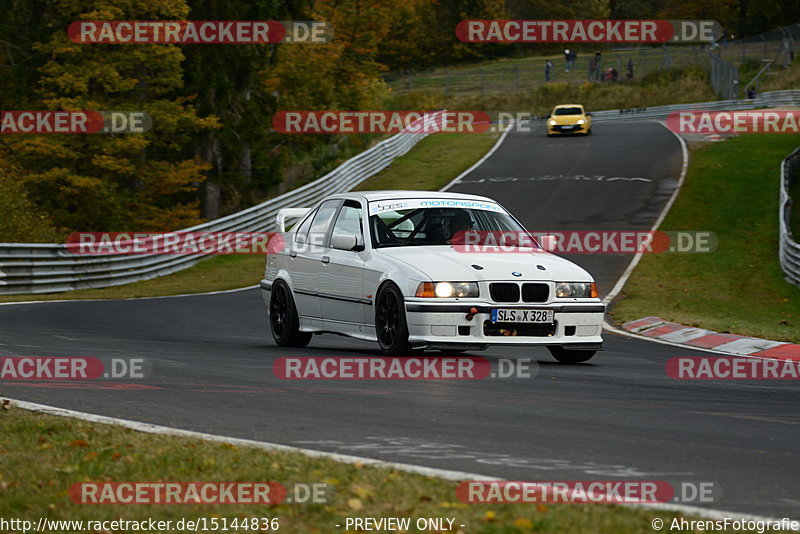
(289, 213)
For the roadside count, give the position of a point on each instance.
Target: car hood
(567, 119)
(444, 263)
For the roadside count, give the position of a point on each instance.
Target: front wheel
(391, 327)
(283, 318)
(571, 356)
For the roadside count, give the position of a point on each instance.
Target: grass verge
(431, 164)
(731, 189)
(44, 455)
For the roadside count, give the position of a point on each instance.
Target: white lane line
(445, 474)
(486, 156)
(638, 256)
(263, 445)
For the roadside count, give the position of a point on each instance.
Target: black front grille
(504, 292)
(535, 292)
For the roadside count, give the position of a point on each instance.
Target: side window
(301, 235)
(349, 221)
(321, 222)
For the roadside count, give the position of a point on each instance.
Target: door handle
(326, 259)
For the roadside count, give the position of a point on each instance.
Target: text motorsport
(589, 31)
(381, 122)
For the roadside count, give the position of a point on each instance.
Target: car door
(341, 278)
(305, 260)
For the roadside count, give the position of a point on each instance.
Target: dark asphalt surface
(618, 417)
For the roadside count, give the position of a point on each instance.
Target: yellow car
(569, 119)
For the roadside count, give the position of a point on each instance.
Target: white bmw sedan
(385, 266)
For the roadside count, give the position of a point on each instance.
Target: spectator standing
(548, 68)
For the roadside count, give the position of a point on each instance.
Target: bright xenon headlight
(448, 289)
(581, 121)
(576, 289)
(552, 123)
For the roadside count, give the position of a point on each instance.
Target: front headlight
(576, 289)
(551, 122)
(448, 289)
(581, 121)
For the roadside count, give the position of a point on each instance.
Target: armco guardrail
(788, 248)
(48, 268)
(51, 267)
(768, 99)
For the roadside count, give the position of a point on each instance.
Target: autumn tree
(104, 181)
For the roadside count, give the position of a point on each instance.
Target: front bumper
(567, 128)
(575, 326)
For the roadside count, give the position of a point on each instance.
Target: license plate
(567, 127)
(512, 315)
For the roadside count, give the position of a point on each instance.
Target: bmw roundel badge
(515, 273)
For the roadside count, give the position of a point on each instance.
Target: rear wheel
(283, 318)
(391, 327)
(571, 356)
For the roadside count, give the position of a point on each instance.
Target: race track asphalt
(617, 417)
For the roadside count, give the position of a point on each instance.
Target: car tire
(391, 327)
(589, 132)
(283, 318)
(571, 356)
(549, 135)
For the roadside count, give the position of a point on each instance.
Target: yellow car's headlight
(581, 121)
(552, 122)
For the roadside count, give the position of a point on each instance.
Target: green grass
(44, 455)
(432, 163)
(731, 189)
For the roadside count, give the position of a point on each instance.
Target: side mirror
(547, 116)
(344, 241)
(588, 114)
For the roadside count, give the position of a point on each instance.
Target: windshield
(434, 226)
(568, 111)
